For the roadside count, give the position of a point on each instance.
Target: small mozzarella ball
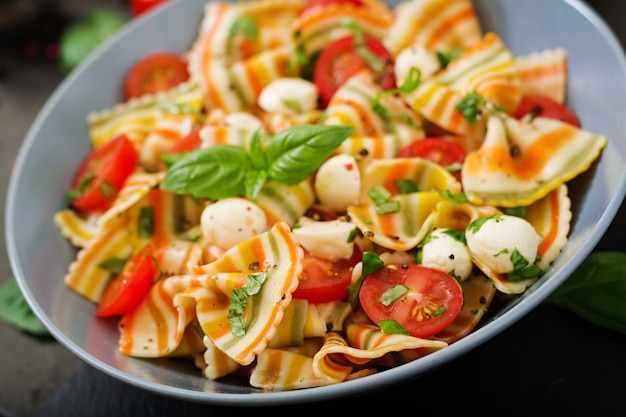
(416, 56)
(326, 239)
(243, 121)
(231, 221)
(289, 96)
(497, 238)
(338, 183)
(445, 253)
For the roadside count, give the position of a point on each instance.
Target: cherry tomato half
(539, 106)
(323, 281)
(157, 72)
(431, 302)
(441, 151)
(102, 174)
(131, 286)
(139, 7)
(314, 4)
(340, 60)
(188, 143)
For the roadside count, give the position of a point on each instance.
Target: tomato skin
(438, 150)
(131, 286)
(154, 73)
(314, 4)
(110, 165)
(540, 106)
(430, 291)
(339, 61)
(188, 143)
(324, 281)
(139, 7)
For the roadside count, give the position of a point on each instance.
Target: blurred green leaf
(82, 37)
(15, 311)
(596, 291)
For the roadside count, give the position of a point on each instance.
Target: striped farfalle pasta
(361, 198)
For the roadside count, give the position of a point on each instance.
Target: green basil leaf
(81, 38)
(15, 311)
(392, 327)
(215, 173)
(371, 262)
(257, 154)
(254, 181)
(293, 154)
(596, 291)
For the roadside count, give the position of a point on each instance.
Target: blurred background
(31, 67)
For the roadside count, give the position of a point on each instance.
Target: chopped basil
(113, 265)
(392, 294)
(352, 235)
(475, 226)
(245, 26)
(84, 182)
(457, 235)
(445, 58)
(145, 223)
(522, 268)
(392, 327)
(410, 83)
(239, 300)
(380, 195)
(471, 107)
(107, 189)
(406, 186)
(371, 262)
(515, 211)
(457, 198)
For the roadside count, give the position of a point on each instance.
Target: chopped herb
(380, 195)
(406, 186)
(475, 226)
(392, 294)
(239, 300)
(392, 327)
(352, 235)
(457, 198)
(446, 57)
(107, 189)
(522, 268)
(113, 265)
(471, 107)
(145, 223)
(515, 211)
(245, 26)
(371, 262)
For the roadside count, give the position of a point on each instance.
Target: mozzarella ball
(445, 253)
(231, 221)
(416, 56)
(290, 96)
(495, 240)
(338, 183)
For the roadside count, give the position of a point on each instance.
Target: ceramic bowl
(57, 142)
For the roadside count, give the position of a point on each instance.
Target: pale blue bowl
(57, 142)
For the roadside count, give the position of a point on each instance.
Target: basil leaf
(81, 38)
(392, 327)
(215, 173)
(596, 291)
(15, 311)
(293, 154)
(371, 262)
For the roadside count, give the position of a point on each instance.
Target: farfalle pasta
(278, 196)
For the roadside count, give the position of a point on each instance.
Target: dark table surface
(550, 362)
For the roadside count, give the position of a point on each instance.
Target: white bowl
(57, 142)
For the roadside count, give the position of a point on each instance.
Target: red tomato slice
(187, 143)
(539, 106)
(139, 7)
(432, 301)
(340, 60)
(314, 4)
(323, 281)
(102, 174)
(157, 72)
(440, 151)
(131, 286)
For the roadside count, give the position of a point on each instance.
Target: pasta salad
(320, 190)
